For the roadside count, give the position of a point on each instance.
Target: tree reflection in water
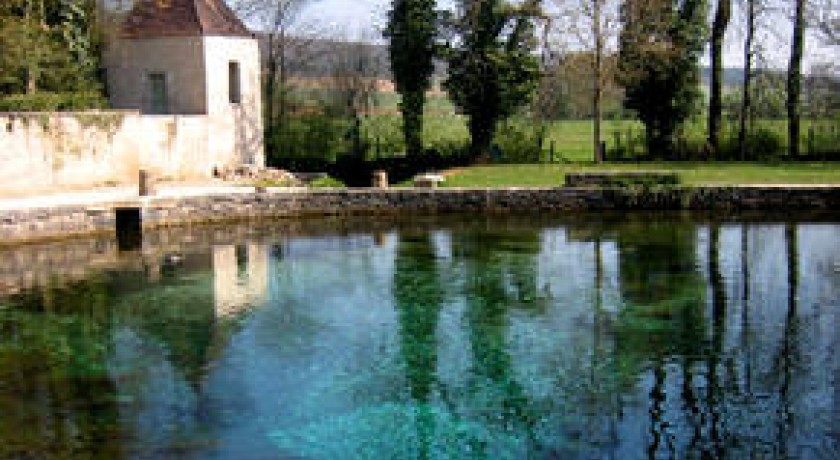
(629, 337)
(418, 295)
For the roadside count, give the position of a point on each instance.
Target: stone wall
(427, 201)
(16, 226)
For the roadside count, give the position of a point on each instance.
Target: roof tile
(178, 18)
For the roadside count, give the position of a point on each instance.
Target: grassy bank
(690, 173)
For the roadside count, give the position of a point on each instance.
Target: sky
(354, 17)
(364, 19)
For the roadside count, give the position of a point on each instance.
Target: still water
(635, 337)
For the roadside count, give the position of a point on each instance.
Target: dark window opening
(129, 229)
(159, 96)
(234, 83)
(241, 260)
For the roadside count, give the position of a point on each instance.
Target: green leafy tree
(660, 44)
(411, 34)
(49, 45)
(79, 32)
(492, 67)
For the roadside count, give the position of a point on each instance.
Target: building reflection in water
(240, 277)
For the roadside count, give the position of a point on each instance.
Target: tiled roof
(173, 18)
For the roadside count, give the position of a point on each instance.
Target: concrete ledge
(21, 225)
(621, 178)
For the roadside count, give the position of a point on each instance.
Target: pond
(580, 337)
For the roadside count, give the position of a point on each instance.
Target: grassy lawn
(690, 173)
(573, 138)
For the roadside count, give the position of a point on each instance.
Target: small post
(145, 187)
(551, 151)
(380, 179)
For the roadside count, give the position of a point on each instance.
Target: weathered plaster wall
(234, 127)
(56, 151)
(181, 59)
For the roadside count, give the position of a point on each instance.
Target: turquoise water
(637, 337)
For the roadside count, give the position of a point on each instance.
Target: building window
(158, 94)
(234, 82)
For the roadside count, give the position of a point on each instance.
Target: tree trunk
(746, 98)
(412, 111)
(716, 90)
(283, 75)
(794, 81)
(481, 135)
(597, 75)
(270, 76)
(30, 71)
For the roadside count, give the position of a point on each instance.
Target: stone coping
(70, 113)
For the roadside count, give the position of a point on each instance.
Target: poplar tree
(411, 34)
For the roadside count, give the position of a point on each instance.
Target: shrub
(52, 102)
(520, 142)
(629, 145)
(308, 143)
(761, 143)
(326, 182)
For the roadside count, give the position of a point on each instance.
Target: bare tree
(826, 18)
(592, 25)
(287, 44)
(356, 67)
(746, 102)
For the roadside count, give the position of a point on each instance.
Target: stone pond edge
(25, 225)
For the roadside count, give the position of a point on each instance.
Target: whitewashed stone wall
(234, 127)
(59, 151)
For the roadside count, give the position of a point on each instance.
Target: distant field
(572, 139)
(690, 173)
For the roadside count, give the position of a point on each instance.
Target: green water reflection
(488, 338)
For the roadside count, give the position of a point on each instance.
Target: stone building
(184, 84)
(192, 57)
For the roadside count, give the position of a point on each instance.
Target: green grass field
(571, 139)
(531, 175)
